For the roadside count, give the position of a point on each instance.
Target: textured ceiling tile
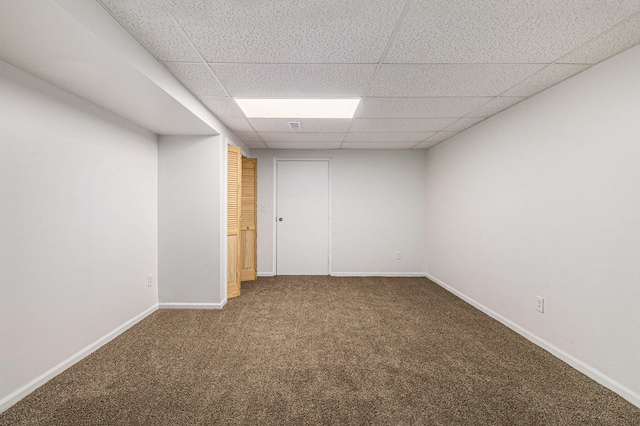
(249, 136)
(418, 107)
(222, 107)
(543, 79)
(197, 78)
(424, 74)
(315, 125)
(237, 124)
(298, 31)
(619, 38)
(426, 144)
(502, 31)
(151, 24)
(440, 136)
(378, 145)
(496, 105)
(388, 136)
(301, 137)
(294, 80)
(463, 123)
(255, 145)
(303, 145)
(448, 80)
(401, 124)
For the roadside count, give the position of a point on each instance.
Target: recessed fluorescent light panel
(298, 108)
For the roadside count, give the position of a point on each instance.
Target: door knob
(280, 220)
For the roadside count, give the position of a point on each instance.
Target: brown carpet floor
(323, 350)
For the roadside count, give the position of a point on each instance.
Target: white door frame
(275, 206)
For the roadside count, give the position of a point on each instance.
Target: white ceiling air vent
(294, 125)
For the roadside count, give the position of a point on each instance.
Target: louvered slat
(248, 208)
(233, 188)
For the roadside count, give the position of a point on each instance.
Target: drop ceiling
(425, 70)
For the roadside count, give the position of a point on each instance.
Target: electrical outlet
(149, 280)
(540, 304)
(398, 257)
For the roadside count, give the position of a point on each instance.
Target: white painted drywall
(191, 173)
(544, 199)
(78, 46)
(78, 226)
(378, 209)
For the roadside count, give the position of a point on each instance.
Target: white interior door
(302, 217)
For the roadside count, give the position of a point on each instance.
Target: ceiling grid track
(213, 74)
(383, 56)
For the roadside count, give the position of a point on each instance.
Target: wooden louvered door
(248, 220)
(234, 196)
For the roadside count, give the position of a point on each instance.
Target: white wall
(78, 227)
(191, 176)
(544, 199)
(378, 208)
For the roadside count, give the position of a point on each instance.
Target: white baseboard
(376, 274)
(16, 396)
(598, 376)
(359, 274)
(193, 305)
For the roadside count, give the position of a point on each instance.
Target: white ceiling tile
(255, 145)
(249, 136)
(463, 123)
(222, 107)
(387, 136)
(449, 59)
(153, 27)
(314, 125)
(619, 38)
(292, 136)
(303, 145)
(502, 31)
(294, 80)
(448, 80)
(440, 136)
(418, 107)
(543, 79)
(426, 144)
(378, 145)
(237, 124)
(496, 105)
(301, 31)
(400, 124)
(197, 78)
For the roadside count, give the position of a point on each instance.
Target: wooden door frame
(275, 207)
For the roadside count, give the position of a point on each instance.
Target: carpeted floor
(324, 350)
